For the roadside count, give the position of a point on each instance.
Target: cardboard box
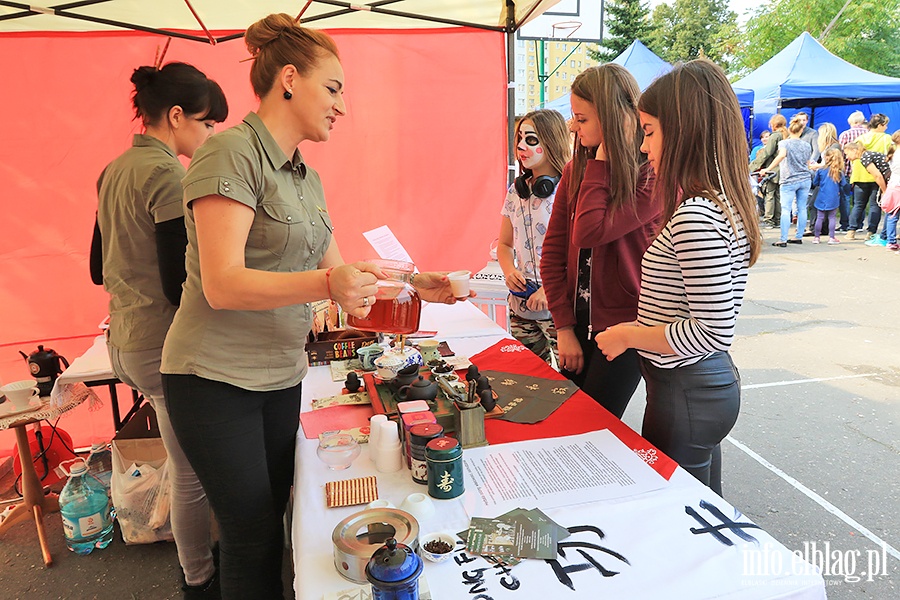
(340, 344)
(140, 483)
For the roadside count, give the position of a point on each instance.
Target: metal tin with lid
(358, 536)
(443, 456)
(419, 436)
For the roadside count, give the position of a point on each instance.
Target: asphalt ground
(813, 457)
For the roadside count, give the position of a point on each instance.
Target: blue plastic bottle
(85, 511)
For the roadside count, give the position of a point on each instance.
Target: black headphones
(542, 188)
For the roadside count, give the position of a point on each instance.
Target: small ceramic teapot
(420, 389)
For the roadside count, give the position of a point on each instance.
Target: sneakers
(816, 240)
(869, 236)
(893, 246)
(851, 235)
(876, 240)
(833, 241)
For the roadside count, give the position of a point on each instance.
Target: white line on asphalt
(799, 381)
(817, 499)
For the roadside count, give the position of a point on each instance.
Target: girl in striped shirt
(694, 274)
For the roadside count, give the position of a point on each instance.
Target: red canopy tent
(423, 147)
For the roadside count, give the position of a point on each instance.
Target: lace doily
(70, 396)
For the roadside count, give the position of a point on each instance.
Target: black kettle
(44, 364)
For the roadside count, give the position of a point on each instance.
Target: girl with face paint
(603, 220)
(542, 148)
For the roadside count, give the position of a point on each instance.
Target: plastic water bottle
(85, 510)
(99, 464)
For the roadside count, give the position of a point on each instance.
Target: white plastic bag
(140, 494)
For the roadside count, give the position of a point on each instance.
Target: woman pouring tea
(259, 250)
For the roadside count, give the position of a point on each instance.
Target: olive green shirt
(136, 191)
(260, 350)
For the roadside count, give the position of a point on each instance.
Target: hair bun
(266, 30)
(143, 76)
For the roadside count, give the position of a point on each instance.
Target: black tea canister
(443, 456)
(419, 436)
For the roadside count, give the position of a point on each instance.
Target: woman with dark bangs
(138, 255)
(694, 274)
(603, 220)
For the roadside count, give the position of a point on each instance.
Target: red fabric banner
(422, 149)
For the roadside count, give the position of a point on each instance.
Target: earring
(288, 95)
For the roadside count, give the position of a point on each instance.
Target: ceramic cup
(418, 505)
(459, 284)
(393, 361)
(20, 393)
(429, 350)
(368, 354)
(381, 503)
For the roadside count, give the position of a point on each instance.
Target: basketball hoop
(568, 28)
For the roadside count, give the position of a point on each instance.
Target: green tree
(689, 29)
(626, 21)
(866, 33)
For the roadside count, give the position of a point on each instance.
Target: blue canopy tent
(807, 76)
(745, 101)
(640, 62)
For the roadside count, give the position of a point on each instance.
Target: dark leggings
(241, 445)
(689, 412)
(610, 383)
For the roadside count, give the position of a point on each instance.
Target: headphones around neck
(542, 188)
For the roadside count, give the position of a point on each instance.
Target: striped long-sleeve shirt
(693, 278)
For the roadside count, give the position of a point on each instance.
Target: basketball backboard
(577, 20)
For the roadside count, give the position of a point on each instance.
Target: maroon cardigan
(618, 245)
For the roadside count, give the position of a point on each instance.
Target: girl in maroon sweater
(603, 220)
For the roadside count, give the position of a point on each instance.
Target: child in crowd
(829, 178)
(890, 200)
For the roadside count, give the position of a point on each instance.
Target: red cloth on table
(579, 414)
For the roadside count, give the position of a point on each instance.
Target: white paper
(553, 472)
(386, 244)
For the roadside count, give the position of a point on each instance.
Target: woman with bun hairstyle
(542, 147)
(259, 251)
(603, 219)
(138, 256)
(694, 274)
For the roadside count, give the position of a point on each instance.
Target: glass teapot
(397, 307)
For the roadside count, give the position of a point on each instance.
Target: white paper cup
(459, 284)
(374, 429)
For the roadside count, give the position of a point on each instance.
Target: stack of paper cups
(373, 432)
(386, 453)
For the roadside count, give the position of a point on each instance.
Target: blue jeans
(865, 193)
(794, 194)
(846, 195)
(689, 412)
(890, 226)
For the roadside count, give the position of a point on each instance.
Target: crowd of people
(848, 181)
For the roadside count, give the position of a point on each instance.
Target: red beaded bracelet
(328, 282)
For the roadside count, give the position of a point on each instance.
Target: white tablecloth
(645, 544)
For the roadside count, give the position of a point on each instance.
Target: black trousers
(241, 445)
(689, 412)
(610, 383)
